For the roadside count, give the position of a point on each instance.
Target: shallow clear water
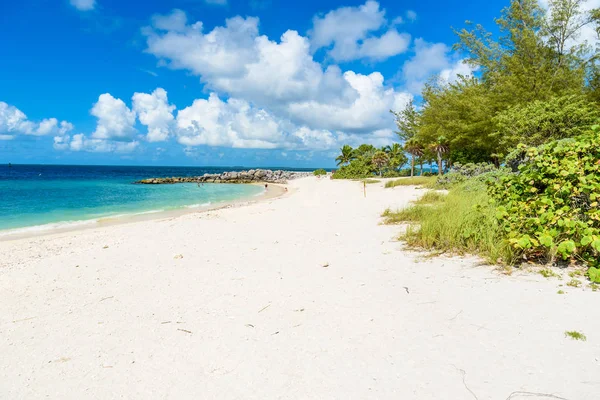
(32, 195)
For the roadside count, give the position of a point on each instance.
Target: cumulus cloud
(280, 77)
(235, 123)
(369, 111)
(349, 34)
(430, 59)
(155, 112)
(81, 142)
(411, 15)
(115, 120)
(13, 121)
(83, 5)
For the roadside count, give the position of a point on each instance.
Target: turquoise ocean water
(39, 195)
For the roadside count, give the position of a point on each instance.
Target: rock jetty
(250, 176)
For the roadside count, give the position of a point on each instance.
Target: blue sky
(216, 82)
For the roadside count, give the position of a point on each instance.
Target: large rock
(258, 175)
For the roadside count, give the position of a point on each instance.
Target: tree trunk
(421, 170)
(439, 159)
(412, 166)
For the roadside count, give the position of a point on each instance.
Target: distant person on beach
(266, 185)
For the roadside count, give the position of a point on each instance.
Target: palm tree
(396, 154)
(380, 160)
(440, 147)
(415, 149)
(347, 155)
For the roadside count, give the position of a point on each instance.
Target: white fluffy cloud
(154, 111)
(80, 142)
(367, 112)
(430, 59)
(235, 123)
(83, 5)
(13, 121)
(348, 33)
(280, 78)
(115, 120)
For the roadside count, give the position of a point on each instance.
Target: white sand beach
(305, 296)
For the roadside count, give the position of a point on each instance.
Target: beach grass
(370, 181)
(431, 197)
(426, 181)
(463, 222)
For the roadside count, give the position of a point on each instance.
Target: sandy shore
(237, 304)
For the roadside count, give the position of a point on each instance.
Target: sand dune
(301, 297)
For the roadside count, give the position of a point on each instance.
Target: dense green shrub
(319, 172)
(367, 160)
(550, 207)
(359, 168)
(539, 121)
(460, 173)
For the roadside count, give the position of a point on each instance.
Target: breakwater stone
(250, 176)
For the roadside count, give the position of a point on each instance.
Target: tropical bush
(460, 173)
(319, 172)
(358, 168)
(550, 207)
(540, 121)
(367, 160)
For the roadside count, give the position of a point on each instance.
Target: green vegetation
(560, 292)
(533, 85)
(574, 283)
(461, 222)
(406, 215)
(367, 160)
(319, 172)
(517, 146)
(575, 335)
(413, 181)
(431, 197)
(370, 181)
(547, 273)
(550, 208)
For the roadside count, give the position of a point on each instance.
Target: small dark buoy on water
(9, 165)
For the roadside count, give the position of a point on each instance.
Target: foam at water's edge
(70, 224)
(47, 227)
(199, 205)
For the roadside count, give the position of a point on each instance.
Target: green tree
(440, 147)
(380, 160)
(541, 121)
(346, 156)
(365, 150)
(396, 155)
(415, 149)
(462, 112)
(407, 121)
(530, 60)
